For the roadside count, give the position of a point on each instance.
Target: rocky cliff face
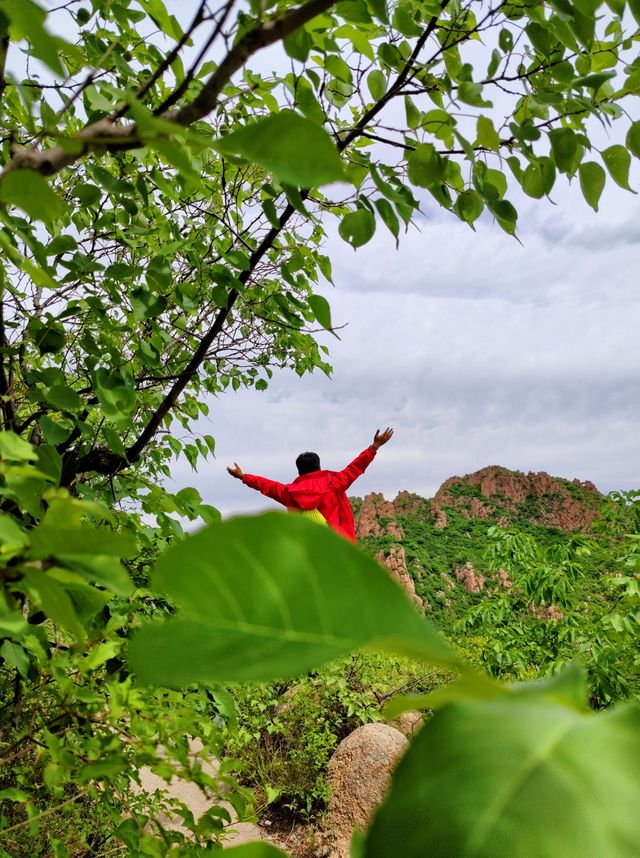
(491, 493)
(434, 548)
(378, 516)
(542, 499)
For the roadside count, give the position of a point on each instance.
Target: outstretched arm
(343, 479)
(276, 491)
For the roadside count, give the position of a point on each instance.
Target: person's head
(307, 462)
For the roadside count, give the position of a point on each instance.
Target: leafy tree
(162, 228)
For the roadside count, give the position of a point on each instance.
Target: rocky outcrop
(546, 612)
(395, 559)
(472, 581)
(358, 776)
(440, 517)
(407, 503)
(551, 501)
(377, 516)
(503, 578)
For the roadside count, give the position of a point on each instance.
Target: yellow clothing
(314, 515)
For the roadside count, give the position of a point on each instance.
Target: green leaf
(48, 541)
(336, 66)
(505, 214)
(412, 114)
(63, 398)
(61, 244)
(469, 206)
(471, 93)
(425, 167)
(358, 39)
(307, 103)
(12, 537)
(117, 400)
(533, 181)
(54, 432)
(618, 162)
(47, 337)
(594, 81)
(158, 12)
(102, 569)
(564, 145)
(377, 83)
(273, 596)
(50, 462)
(15, 449)
(87, 194)
(55, 602)
(487, 777)
(13, 794)
(505, 40)
(15, 656)
(298, 44)
(114, 440)
(389, 217)
(176, 153)
(633, 139)
(292, 147)
(39, 275)
(404, 23)
(357, 227)
(27, 21)
(321, 310)
(33, 194)
(487, 135)
(592, 182)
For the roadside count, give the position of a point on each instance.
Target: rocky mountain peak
(542, 499)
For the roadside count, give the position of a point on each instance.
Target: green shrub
(286, 733)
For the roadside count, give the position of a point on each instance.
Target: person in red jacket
(314, 489)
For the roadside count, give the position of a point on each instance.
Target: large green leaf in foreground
(505, 779)
(270, 597)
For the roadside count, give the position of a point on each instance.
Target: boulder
(408, 722)
(358, 775)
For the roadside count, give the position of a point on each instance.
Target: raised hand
(381, 438)
(236, 471)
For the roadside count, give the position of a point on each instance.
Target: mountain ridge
(435, 547)
(535, 496)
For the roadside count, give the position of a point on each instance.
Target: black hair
(307, 462)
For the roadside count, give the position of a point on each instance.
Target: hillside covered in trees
(443, 541)
(521, 570)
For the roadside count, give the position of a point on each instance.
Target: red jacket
(321, 490)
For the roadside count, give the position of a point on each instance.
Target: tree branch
(164, 65)
(104, 136)
(370, 114)
(4, 50)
